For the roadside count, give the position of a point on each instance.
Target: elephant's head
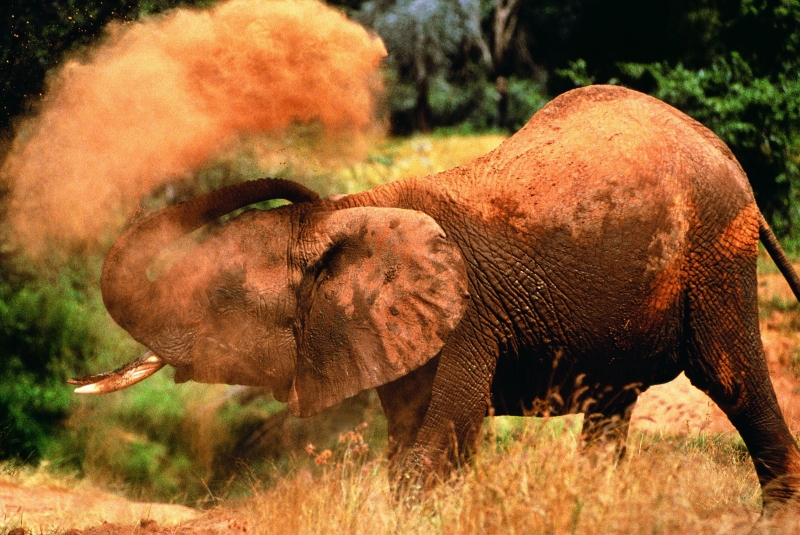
(314, 302)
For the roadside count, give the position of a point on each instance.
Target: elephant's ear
(382, 290)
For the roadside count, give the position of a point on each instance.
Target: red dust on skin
(159, 97)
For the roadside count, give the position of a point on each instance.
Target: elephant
(607, 246)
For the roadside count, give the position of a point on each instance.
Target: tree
(505, 26)
(422, 37)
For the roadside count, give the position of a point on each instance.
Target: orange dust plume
(160, 97)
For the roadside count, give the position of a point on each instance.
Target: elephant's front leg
(405, 403)
(459, 400)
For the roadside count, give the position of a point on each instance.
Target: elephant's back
(603, 123)
(602, 153)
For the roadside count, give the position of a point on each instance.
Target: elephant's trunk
(138, 304)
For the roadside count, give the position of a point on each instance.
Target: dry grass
(531, 480)
(415, 156)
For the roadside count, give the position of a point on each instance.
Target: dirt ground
(673, 408)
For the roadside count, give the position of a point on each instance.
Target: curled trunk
(137, 304)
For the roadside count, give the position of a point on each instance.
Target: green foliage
(46, 332)
(576, 72)
(473, 106)
(501, 432)
(468, 108)
(525, 97)
(139, 439)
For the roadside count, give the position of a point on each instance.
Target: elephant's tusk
(122, 377)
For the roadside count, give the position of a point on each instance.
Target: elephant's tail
(778, 256)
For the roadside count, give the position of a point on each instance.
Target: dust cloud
(158, 98)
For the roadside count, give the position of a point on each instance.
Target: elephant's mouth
(123, 377)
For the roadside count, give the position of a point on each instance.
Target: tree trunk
(422, 110)
(501, 86)
(505, 25)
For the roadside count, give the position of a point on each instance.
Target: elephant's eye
(226, 293)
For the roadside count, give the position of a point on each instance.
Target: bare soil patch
(48, 508)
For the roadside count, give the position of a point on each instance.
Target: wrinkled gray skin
(609, 245)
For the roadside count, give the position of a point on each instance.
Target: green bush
(525, 97)
(143, 440)
(468, 108)
(46, 332)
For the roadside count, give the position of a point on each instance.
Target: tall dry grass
(533, 479)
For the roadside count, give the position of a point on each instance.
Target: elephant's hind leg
(725, 358)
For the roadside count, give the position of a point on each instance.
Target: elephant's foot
(778, 521)
(781, 498)
(783, 490)
(411, 478)
(414, 472)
